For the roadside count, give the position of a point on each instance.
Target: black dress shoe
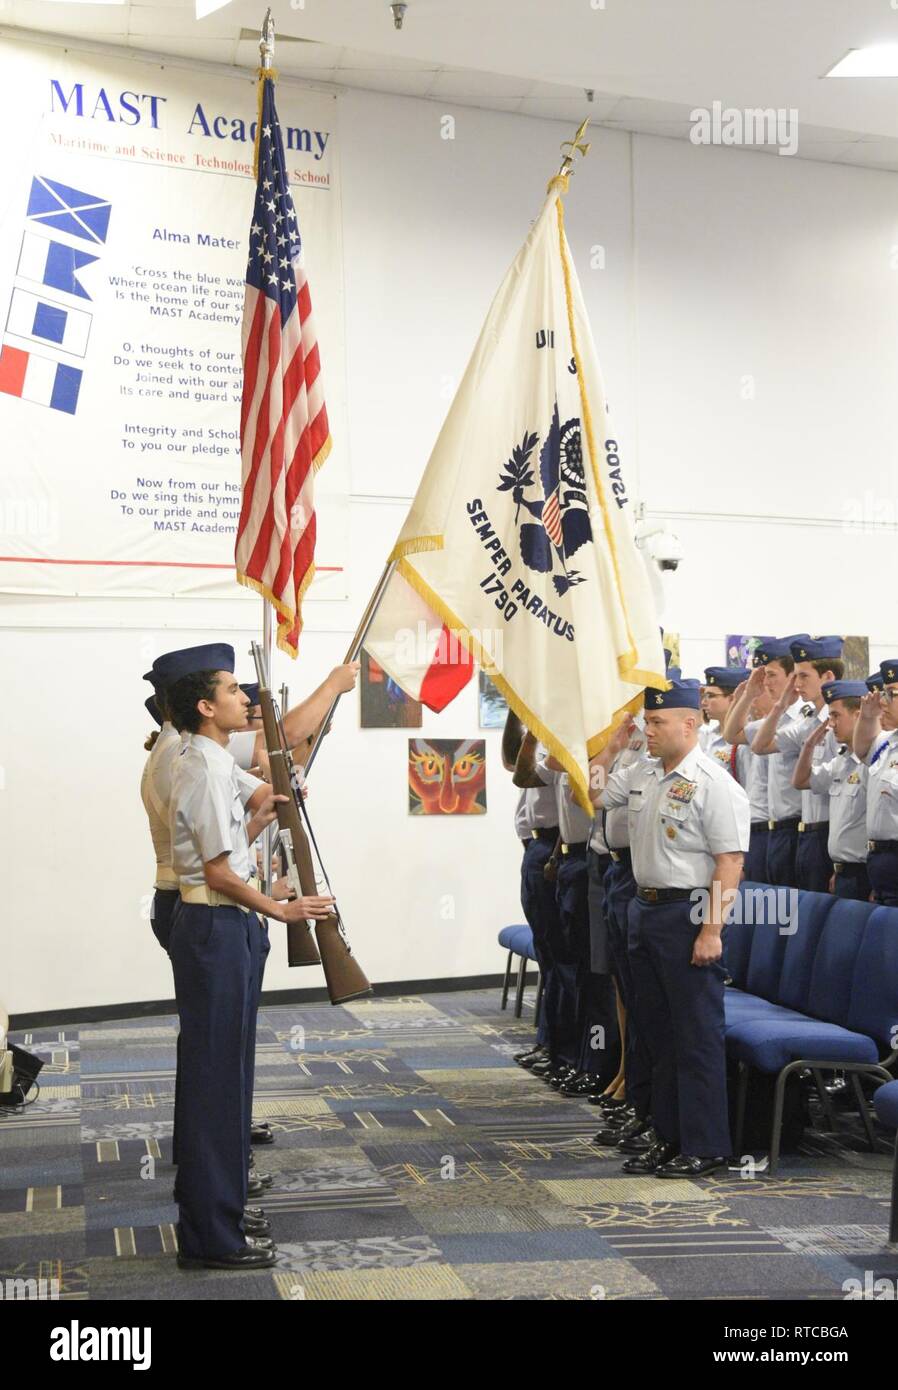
(529, 1055)
(609, 1105)
(615, 1129)
(564, 1078)
(247, 1257)
(261, 1134)
(584, 1085)
(659, 1153)
(540, 1068)
(640, 1141)
(256, 1226)
(256, 1186)
(688, 1166)
(260, 1242)
(254, 1213)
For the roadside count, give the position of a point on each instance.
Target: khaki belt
(165, 877)
(201, 893)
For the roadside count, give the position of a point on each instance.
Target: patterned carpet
(413, 1160)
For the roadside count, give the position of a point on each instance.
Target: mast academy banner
(127, 202)
(520, 539)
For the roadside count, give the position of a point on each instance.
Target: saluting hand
(788, 695)
(818, 735)
(871, 709)
(756, 682)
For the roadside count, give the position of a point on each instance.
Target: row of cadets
(876, 743)
(688, 822)
(773, 665)
(843, 778)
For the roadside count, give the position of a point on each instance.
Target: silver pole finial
(266, 41)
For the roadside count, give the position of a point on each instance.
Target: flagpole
(266, 59)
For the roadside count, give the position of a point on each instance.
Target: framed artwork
(384, 704)
(491, 703)
(446, 776)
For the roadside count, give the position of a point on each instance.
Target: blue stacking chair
(518, 941)
(886, 1102)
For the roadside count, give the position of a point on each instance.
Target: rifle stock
(343, 975)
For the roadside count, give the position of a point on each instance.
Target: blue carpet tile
(413, 1160)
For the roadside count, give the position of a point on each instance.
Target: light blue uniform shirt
(844, 780)
(681, 819)
(207, 815)
(783, 800)
(882, 790)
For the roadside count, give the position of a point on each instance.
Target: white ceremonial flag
(520, 537)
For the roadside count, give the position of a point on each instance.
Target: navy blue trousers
(264, 948)
(679, 1007)
(558, 1003)
(620, 888)
(164, 902)
(813, 866)
(852, 882)
(882, 869)
(592, 995)
(535, 896)
(215, 957)
(755, 865)
(781, 849)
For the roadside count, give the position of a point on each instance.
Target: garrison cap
(683, 694)
(251, 691)
(805, 648)
(214, 656)
(889, 670)
(152, 709)
(875, 681)
(775, 648)
(843, 690)
(725, 677)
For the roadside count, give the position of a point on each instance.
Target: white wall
(739, 265)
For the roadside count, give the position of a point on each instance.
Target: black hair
(151, 740)
(786, 662)
(183, 696)
(849, 701)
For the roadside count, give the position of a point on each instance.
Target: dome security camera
(398, 14)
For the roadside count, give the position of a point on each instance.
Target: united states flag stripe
(552, 518)
(284, 433)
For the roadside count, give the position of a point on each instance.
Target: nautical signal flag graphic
(30, 316)
(39, 379)
(54, 264)
(64, 209)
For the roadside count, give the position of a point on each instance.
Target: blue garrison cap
(775, 648)
(150, 676)
(805, 648)
(674, 673)
(251, 691)
(874, 681)
(683, 694)
(152, 710)
(889, 670)
(726, 677)
(214, 656)
(843, 690)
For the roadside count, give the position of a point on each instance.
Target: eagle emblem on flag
(560, 524)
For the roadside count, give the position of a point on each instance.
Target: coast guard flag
(284, 433)
(519, 544)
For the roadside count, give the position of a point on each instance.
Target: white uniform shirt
(535, 811)
(790, 741)
(783, 800)
(155, 791)
(882, 790)
(240, 747)
(207, 816)
(844, 779)
(712, 742)
(681, 819)
(617, 830)
(756, 786)
(574, 825)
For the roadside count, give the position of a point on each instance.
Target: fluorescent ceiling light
(204, 7)
(879, 60)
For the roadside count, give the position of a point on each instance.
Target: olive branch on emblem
(517, 474)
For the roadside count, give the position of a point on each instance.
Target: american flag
(284, 434)
(552, 518)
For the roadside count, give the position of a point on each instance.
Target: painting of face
(446, 777)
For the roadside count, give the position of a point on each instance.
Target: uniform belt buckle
(650, 895)
(801, 827)
(871, 845)
(771, 825)
(534, 834)
(565, 849)
(614, 855)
